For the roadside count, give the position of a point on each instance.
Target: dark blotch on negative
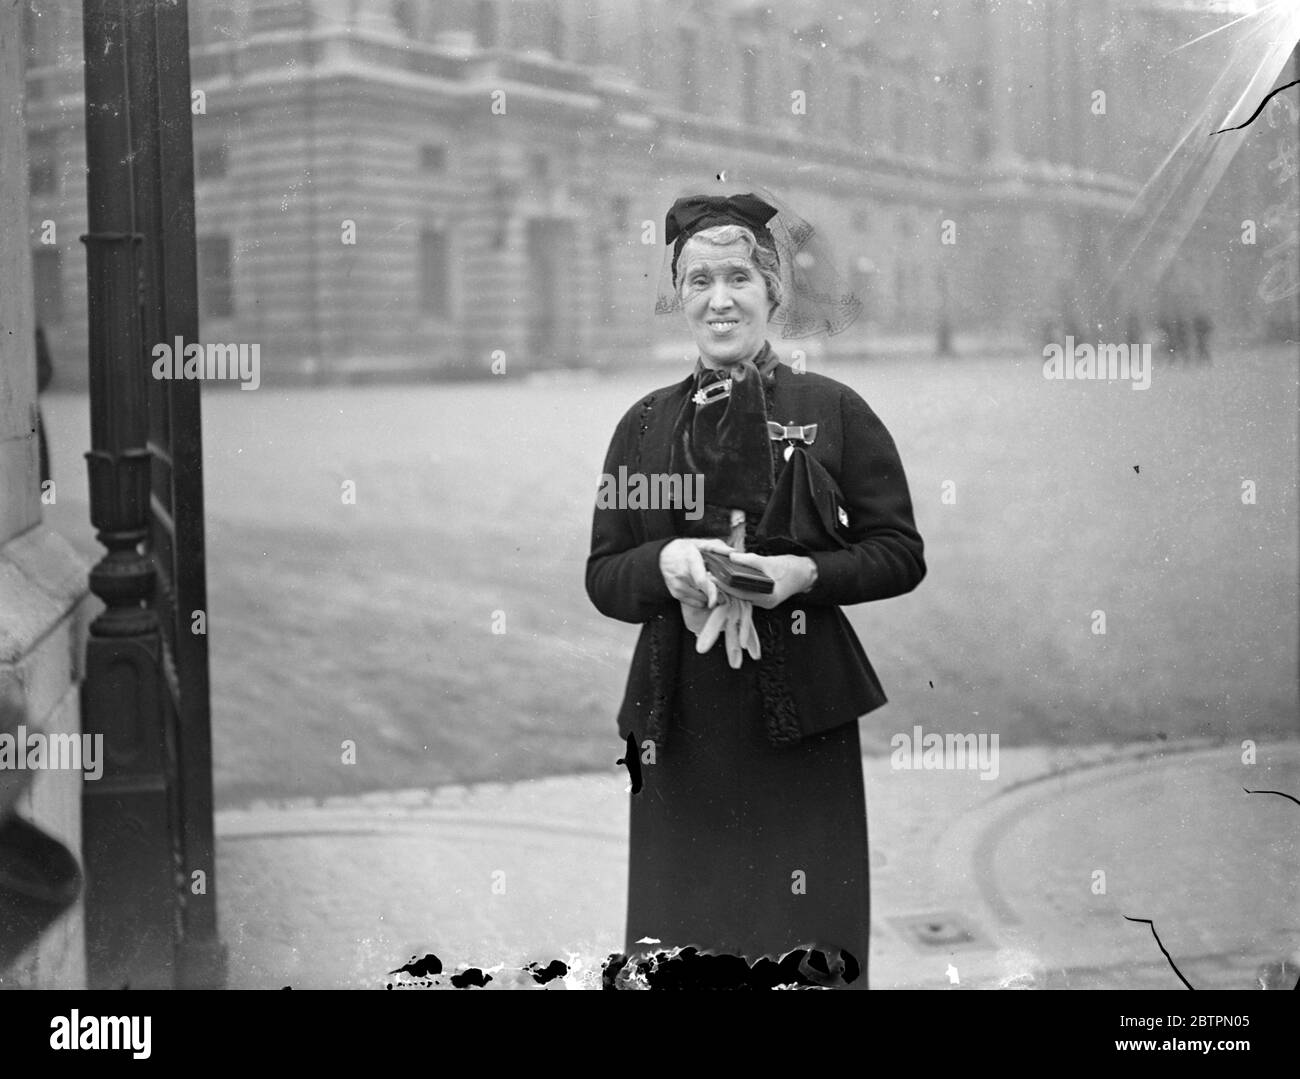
(470, 979)
(554, 969)
(421, 968)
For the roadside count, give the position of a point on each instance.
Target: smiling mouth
(723, 326)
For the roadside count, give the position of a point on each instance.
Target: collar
(766, 362)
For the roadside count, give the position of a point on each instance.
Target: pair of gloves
(732, 619)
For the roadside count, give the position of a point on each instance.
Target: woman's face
(724, 299)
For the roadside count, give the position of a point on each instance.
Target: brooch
(791, 433)
(714, 391)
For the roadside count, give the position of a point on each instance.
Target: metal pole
(167, 208)
(148, 823)
(126, 817)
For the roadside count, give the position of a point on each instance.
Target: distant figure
(1069, 316)
(1280, 973)
(44, 376)
(1169, 331)
(1074, 327)
(1048, 332)
(1199, 320)
(1133, 328)
(1173, 318)
(1202, 324)
(945, 337)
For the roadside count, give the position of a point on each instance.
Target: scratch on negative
(1266, 100)
(1148, 921)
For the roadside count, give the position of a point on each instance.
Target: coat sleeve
(885, 556)
(623, 577)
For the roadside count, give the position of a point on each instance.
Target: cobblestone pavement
(1022, 881)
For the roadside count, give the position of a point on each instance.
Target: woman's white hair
(763, 258)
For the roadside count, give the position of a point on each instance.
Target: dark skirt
(740, 847)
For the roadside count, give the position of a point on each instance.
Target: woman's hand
(733, 620)
(792, 573)
(684, 572)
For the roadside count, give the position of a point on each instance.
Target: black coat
(814, 680)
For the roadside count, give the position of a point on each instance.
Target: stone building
(401, 187)
(44, 600)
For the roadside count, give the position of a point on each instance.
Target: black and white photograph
(633, 495)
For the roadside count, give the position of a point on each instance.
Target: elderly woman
(749, 835)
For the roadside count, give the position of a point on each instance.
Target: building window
(42, 164)
(433, 158)
(485, 23)
(749, 86)
(645, 36)
(435, 275)
(404, 14)
(853, 108)
(619, 208)
(538, 26)
(213, 21)
(47, 282)
(33, 39)
(863, 281)
(979, 88)
(899, 119)
(687, 80)
(939, 132)
(216, 294)
(554, 28)
(209, 160)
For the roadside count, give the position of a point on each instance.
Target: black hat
(692, 214)
(814, 297)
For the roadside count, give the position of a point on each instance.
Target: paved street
(991, 879)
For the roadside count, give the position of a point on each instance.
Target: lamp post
(147, 822)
